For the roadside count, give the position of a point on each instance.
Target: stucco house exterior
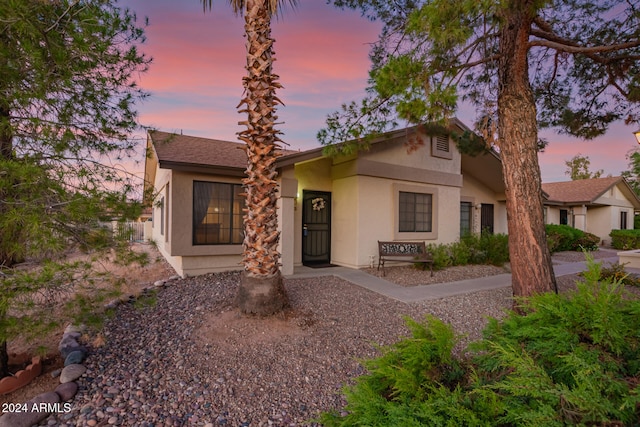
(596, 205)
(332, 210)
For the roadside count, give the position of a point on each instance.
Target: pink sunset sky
(195, 80)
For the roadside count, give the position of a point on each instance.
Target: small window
(415, 212)
(217, 213)
(465, 218)
(623, 220)
(440, 147)
(161, 206)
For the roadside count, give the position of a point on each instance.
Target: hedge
(625, 239)
(566, 238)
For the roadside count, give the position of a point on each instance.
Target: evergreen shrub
(566, 238)
(485, 248)
(570, 359)
(625, 239)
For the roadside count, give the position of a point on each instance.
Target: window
(161, 206)
(465, 218)
(217, 213)
(415, 212)
(623, 220)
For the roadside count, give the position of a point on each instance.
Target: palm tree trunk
(531, 267)
(261, 289)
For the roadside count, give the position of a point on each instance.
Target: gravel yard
(191, 360)
(188, 358)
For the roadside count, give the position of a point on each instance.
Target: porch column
(580, 217)
(286, 224)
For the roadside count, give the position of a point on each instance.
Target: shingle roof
(579, 191)
(192, 150)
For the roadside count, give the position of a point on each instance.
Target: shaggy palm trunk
(531, 267)
(261, 289)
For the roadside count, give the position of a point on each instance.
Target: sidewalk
(434, 291)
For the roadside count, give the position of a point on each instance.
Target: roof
(174, 149)
(585, 191)
(185, 152)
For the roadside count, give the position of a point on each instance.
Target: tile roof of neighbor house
(192, 150)
(579, 191)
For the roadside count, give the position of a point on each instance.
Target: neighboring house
(596, 205)
(332, 210)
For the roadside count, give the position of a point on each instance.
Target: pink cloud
(322, 60)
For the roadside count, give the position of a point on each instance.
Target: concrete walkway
(434, 291)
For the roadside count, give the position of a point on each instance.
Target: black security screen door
(486, 218)
(316, 227)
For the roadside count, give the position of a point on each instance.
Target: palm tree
(261, 289)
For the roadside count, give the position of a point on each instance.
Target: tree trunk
(531, 267)
(261, 290)
(7, 237)
(4, 360)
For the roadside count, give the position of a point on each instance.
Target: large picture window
(217, 213)
(415, 212)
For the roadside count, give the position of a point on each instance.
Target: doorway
(316, 228)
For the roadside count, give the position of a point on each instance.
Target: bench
(403, 252)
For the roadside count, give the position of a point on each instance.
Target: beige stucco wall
(475, 192)
(176, 243)
(395, 152)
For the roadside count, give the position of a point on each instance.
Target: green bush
(625, 239)
(485, 248)
(566, 238)
(571, 359)
(615, 272)
(440, 254)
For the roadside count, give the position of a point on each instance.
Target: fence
(130, 230)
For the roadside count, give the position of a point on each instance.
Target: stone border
(40, 407)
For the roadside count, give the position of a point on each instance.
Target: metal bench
(413, 252)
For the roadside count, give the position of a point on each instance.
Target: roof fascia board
(189, 167)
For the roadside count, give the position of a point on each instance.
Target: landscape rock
(66, 391)
(66, 351)
(75, 357)
(72, 373)
(112, 304)
(75, 328)
(33, 411)
(67, 341)
(74, 335)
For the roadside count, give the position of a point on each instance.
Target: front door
(316, 227)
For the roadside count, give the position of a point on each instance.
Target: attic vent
(442, 143)
(440, 146)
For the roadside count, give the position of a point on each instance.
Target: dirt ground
(21, 351)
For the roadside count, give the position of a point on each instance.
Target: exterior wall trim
(396, 172)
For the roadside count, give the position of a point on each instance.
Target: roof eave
(209, 169)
